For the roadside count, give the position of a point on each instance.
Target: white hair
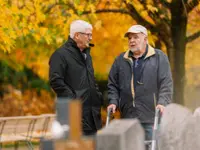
(79, 26)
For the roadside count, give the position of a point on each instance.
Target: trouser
(148, 129)
(89, 132)
(88, 124)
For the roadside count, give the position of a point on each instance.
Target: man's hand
(161, 108)
(113, 106)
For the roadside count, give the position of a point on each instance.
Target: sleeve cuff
(113, 101)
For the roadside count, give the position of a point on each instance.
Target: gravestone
(173, 122)
(62, 113)
(197, 112)
(124, 134)
(191, 134)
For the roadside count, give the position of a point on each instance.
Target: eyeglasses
(88, 34)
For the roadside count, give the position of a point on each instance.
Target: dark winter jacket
(154, 87)
(71, 75)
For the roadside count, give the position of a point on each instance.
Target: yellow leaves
(6, 47)
(128, 1)
(98, 24)
(40, 17)
(37, 37)
(9, 24)
(43, 31)
(24, 18)
(25, 32)
(152, 39)
(59, 40)
(48, 39)
(44, 25)
(14, 9)
(53, 1)
(80, 9)
(71, 12)
(144, 13)
(6, 40)
(109, 41)
(92, 8)
(198, 7)
(40, 66)
(169, 1)
(152, 8)
(137, 5)
(60, 21)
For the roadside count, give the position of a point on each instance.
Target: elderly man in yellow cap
(140, 80)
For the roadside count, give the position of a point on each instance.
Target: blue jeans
(148, 129)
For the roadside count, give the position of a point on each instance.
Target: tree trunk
(171, 55)
(178, 31)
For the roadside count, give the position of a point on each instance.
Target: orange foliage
(116, 115)
(29, 103)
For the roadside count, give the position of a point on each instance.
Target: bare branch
(161, 27)
(192, 4)
(136, 16)
(70, 5)
(49, 8)
(122, 11)
(164, 2)
(193, 37)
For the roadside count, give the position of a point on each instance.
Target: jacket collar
(150, 52)
(72, 43)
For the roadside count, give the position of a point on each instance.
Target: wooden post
(75, 141)
(75, 117)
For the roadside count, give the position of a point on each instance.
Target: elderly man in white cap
(140, 80)
(71, 74)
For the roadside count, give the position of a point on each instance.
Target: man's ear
(146, 39)
(76, 35)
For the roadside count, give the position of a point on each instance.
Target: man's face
(84, 38)
(136, 41)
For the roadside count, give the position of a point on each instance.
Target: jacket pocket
(86, 125)
(119, 105)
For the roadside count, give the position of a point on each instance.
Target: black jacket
(72, 76)
(154, 87)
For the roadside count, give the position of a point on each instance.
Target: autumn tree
(42, 25)
(167, 19)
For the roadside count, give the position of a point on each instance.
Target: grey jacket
(155, 85)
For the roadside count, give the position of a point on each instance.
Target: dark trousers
(89, 127)
(89, 132)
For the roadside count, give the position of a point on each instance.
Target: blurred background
(31, 30)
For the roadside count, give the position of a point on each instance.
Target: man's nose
(131, 39)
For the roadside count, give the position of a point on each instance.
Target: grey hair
(79, 26)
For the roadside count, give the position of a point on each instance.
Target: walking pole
(155, 129)
(108, 116)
